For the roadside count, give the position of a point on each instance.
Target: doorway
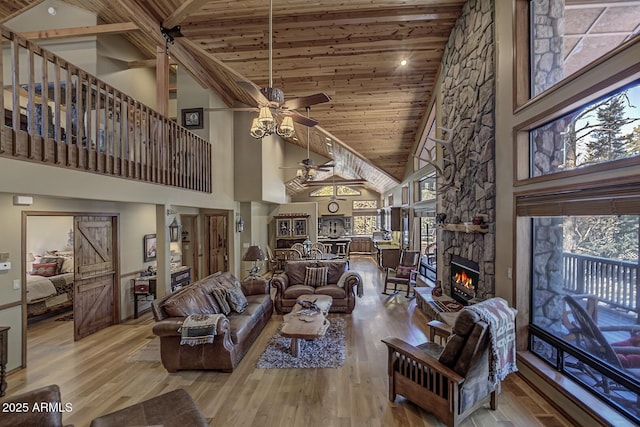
(87, 252)
(190, 244)
(217, 243)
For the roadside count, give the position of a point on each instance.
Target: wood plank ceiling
(350, 50)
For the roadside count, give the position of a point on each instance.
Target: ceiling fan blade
(250, 109)
(305, 101)
(299, 118)
(253, 90)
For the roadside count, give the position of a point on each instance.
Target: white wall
(48, 233)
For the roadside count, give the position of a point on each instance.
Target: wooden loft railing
(59, 115)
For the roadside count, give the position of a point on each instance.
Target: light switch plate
(16, 284)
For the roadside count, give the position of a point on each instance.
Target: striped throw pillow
(316, 276)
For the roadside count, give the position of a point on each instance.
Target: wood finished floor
(96, 378)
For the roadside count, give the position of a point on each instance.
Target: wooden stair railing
(58, 114)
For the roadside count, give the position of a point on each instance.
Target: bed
(50, 285)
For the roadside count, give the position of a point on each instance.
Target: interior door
(218, 245)
(95, 286)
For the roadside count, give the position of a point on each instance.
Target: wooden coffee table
(300, 325)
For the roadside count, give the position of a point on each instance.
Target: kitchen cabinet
(360, 244)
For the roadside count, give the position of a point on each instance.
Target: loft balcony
(59, 115)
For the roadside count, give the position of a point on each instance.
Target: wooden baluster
(57, 133)
(15, 82)
(31, 107)
(44, 103)
(2, 127)
(79, 119)
(97, 148)
(89, 108)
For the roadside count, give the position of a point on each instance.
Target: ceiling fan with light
(272, 98)
(307, 168)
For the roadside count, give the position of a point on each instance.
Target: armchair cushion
(404, 272)
(316, 276)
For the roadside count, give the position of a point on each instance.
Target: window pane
(364, 224)
(567, 36)
(585, 293)
(605, 130)
(365, 204)
(427, 188)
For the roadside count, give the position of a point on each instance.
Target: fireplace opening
(465, 275)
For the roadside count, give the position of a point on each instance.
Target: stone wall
(548, 57)
(468, 97)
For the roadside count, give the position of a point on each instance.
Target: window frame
(522, 60)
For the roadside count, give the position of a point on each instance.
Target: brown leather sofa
(342, 285)
(235, 332)
(20, 408)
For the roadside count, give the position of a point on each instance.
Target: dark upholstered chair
(404, 274)
(173, 409)
(44, 418)
(451, 381)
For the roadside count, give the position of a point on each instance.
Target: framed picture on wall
(149, 247)
(193, 118)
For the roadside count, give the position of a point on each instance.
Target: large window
(585, 302)
(426, 151)
(605, 130)
(427, 188)
(364, 224)
(568, 35)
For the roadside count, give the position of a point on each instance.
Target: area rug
(325, 352)
(150, 352)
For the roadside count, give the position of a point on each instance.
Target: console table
(4, 356)
(180, 277)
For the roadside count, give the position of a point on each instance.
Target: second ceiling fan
(307, 167)
(272, 98)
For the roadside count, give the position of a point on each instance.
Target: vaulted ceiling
(350, 50)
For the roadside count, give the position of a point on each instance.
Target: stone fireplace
(466, 185)
(465, 275)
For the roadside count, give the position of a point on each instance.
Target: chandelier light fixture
(265, 125)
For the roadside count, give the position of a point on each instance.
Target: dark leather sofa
(235, 332)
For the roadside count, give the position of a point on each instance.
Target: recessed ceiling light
(403, 62)
(52, 10)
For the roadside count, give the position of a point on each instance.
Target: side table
(142, 288)
(4, 356)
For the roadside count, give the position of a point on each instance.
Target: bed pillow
(67, 266)
(316, 276)
(44, 269)
(49, 259)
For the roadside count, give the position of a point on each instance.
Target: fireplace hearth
(465, 275)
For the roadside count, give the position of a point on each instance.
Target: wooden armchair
(404, 274)
(450, 382)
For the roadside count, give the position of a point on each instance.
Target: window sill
(582, 399)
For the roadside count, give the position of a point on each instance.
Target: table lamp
(255, 254)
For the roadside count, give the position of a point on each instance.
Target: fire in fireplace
(465, 275)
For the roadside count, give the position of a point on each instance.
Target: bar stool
(341, 250)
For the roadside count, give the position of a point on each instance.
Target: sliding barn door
(94, 301)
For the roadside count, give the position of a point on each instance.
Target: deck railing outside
(613, 282)
(60, 115)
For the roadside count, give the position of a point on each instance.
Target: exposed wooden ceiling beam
(93, 30)
(186, 8)
(147, 63)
